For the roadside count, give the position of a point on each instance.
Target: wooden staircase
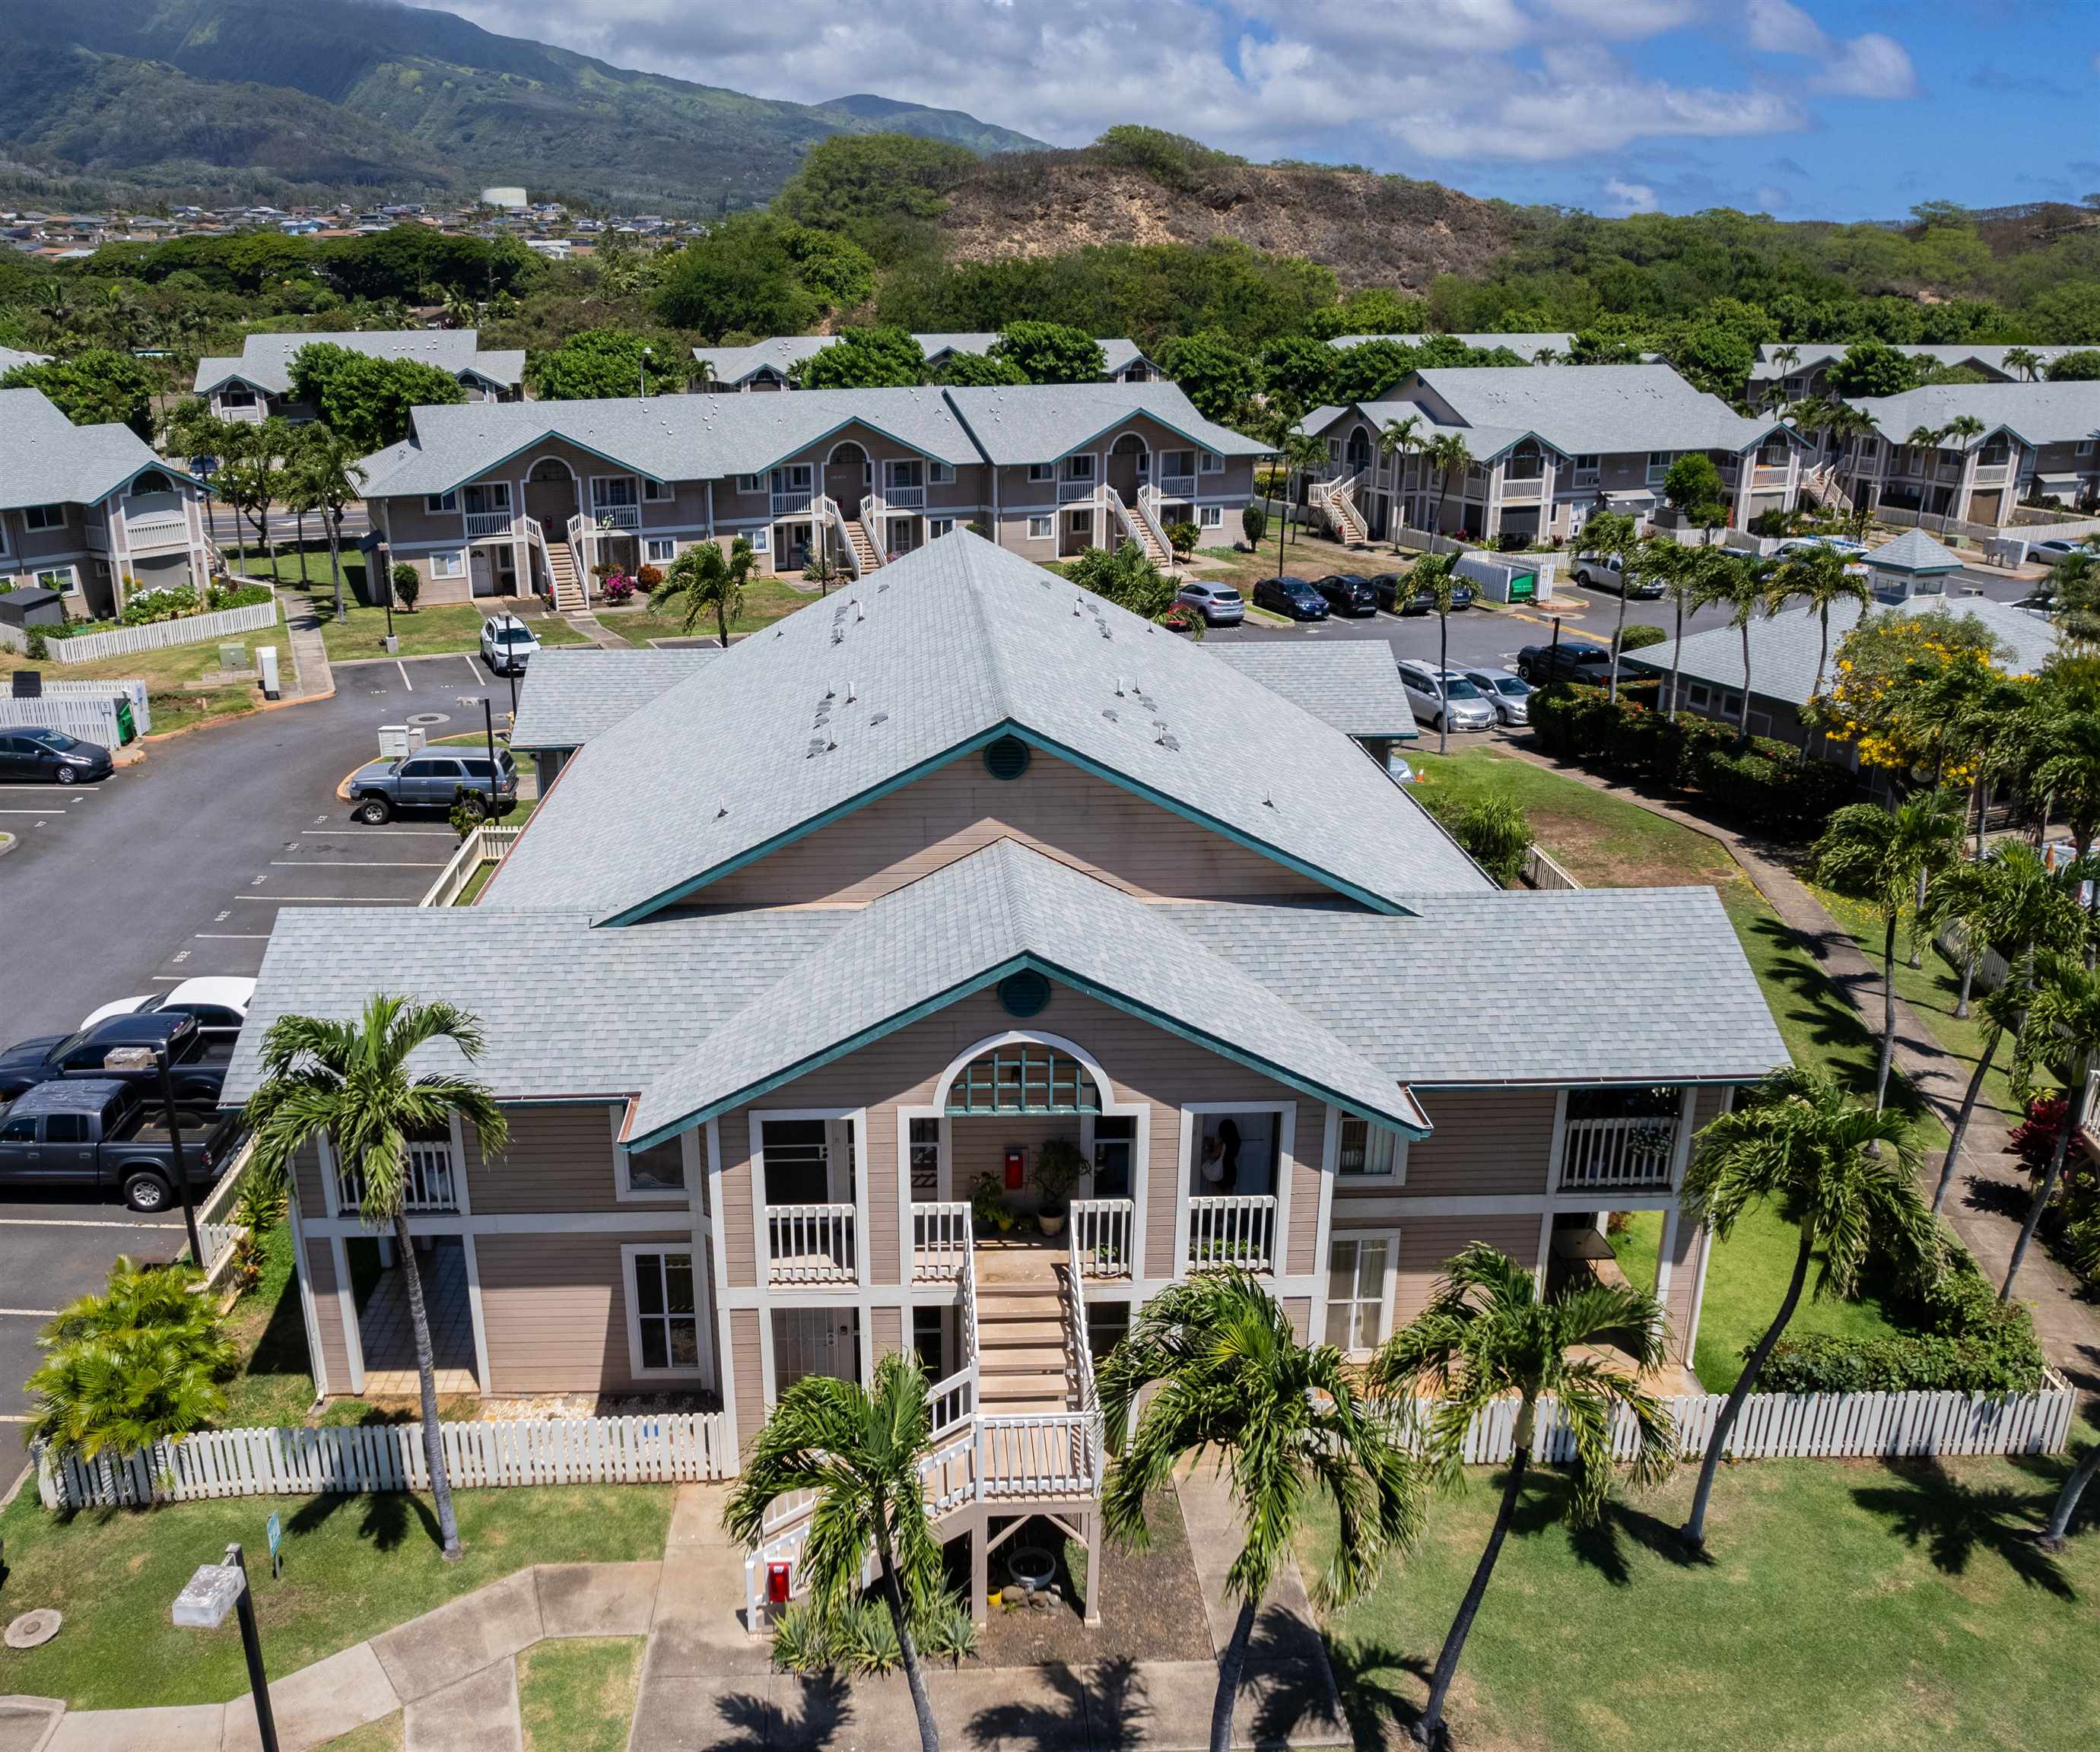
(1023, 1362)
(866, 554)
(1347, 522)
(569, 594)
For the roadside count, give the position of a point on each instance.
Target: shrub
(1254, 525)
(1495, 835)
(617, 587)
(1641, 634)
(860, 1637)
(649, 577)
(408, 585)
(2072, 1221)
(39, 645)
(169, 602)
(217, 596)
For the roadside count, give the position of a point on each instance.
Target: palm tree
(2024, 360)
(325, 475)
(1302, 454)
(1400, 438)
(710, 581)
(1678, 566)
(1887, 858)
(1229, 1374)
(1737, 585)
(298, 495)
(2062, 1027)
(1608, 533)
(1486, 1335)
(858, 1448)
(1437, 575)
(1447, 454)
(2057, 1533)
(1845, 1177)
(350, 1082)
(1819, 577)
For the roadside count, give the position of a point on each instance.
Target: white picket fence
(485, 845)
(1543, 870)
(218, 1234)
(156, 635)
(675, 1448)
(142, 708)
(1801, 1426)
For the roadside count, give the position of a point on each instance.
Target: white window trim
(1398, 1175)
(702, 1336)
(597, 481)
(940, 474)
(1210, 517)
(1390, 1237)
(689, 1158)
(760, 539)
(448, 565)
(70, 573)
(57, 516)
(655, 491)
(1209, 462)
(660, 549)
(749, 483)
(939, 526)
(1042, 528)
(437, 505)
(1043, 471)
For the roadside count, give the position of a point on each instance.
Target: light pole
(134, 1059)
(641, 369)
(212, 1592)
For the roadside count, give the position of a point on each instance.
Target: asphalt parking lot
(176, 867)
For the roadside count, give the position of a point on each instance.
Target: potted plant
(989, 1209)
(1059, 1166)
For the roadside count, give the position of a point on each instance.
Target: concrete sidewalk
(1990, 1195)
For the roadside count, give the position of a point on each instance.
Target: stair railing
(1148, 510)
(583, 551)
(874, 522)
(832, 522)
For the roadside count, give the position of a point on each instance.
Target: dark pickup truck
(1588, 666)
(104, 1135)
(196, 1071)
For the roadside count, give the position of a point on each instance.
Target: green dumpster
(1523, 588)
(126, 730)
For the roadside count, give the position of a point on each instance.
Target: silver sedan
(1509, 694)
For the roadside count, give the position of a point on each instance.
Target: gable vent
(1007, 758)
(1024, 994)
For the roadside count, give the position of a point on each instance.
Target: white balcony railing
(1071, 492)
(1625, 1151)
(481, 524)
(1103, 1237)
(157, 528)
(940, 1241)
(789, 504)
(1037, 1454)
(617, 516)
(906, 498)
(1177, 486)
(810, 1244)
(1234, 1232)
(431, 1183)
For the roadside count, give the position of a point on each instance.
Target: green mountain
(235, 96)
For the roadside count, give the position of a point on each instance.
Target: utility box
(265, 664)
(397, 741)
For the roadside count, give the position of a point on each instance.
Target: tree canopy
(96, 386)
(604, 364)
(1220, 379)
(864, 359)
(366, 401)
(1051, 352)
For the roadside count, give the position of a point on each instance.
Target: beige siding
(1428, 1243)
(1689, 1248)
(558, 1158)
(735, 1130)
(1303, 1242)
(1298, 1309)
(328, 1315)
(886, 1328)
(555, 1308)
(1054, 807)
(1486, 1141)
(748, 1359)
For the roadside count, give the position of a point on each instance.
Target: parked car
(507, 644)
(1588, 666)
(2056, 551)
(432, 780)
(1386, 587)
(1219, 604)
(1607, 571)
(104, 1134)
(1346, 593)
(1510, 695)
(196, 1074)
(1421, 602)
(1848, 551)
(30, 751)
(220, 1006)
(1444, 699)
(1292, 596)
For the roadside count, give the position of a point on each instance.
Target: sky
(1835, 109)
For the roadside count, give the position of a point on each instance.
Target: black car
(1588, 666)
(196, 1077)
(1346, 593)
(1290, 596)
(32, 752)
(1415, 601)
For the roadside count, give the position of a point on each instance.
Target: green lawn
(386, 1735)
(765, 599)
(578, 1696)
(166, 673)
(354, 1566)
(1848, 1604)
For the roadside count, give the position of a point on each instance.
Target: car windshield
(56, 740)
(1458, 687)
(513, 635)
(1515, 685)
(1224, 595)
(1298, 587)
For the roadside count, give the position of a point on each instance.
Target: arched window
(1023, 1077)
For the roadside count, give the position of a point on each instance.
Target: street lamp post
(212, 1592)
(641, 369)
(155, 1058)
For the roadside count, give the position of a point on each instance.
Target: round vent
(1007, 759)
(1024, 993)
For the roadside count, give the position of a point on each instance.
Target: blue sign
(276, 1536)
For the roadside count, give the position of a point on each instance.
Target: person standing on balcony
(1228, 1149)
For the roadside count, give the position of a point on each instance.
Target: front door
(1115, 1148)
(550, 496)
(814, 1342)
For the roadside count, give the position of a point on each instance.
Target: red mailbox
(1016, 1168)
(776, 1584)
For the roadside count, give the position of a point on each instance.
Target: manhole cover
(429, 717)
(33, 1629)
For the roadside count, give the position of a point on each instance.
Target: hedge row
(1762, 782)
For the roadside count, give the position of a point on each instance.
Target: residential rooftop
(45, 458)
(781, 353)
(265, 363)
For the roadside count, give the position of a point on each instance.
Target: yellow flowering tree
(1915, 693)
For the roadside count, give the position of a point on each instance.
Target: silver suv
(1444, 699)
(1219, 604)
(433, 779)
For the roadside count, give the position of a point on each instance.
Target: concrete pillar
(1093, 1615)
(981, 1567)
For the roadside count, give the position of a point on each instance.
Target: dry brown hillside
(1371, 230)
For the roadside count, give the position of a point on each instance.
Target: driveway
(178, 866)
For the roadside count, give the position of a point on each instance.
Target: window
(1210, 517)
(925, 1159)
(236, 395)
(1042, 471)
(654, 491)
(1213, 463)
(431, 768)
(659, 550)
(61, 578)
(761, 540)
(908, 472)
(794, 479)
(43, 516)
(19, 1131)
(658, 1172)
(1023, 1077)
(612, 489)
(1586, 465)
(1041, 529)
(937, 527)
(1658, 462)
(927, 1340)
(447, 566)
(436, 503)
(65, 1128)
(2085, 446)
(488, 497)
(665, 1333)
(1360, 1292)
(1115, 1150)
(941, 473)
(749, 483)
(1080, 468)
(1370, 1151)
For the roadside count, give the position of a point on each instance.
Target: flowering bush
(649, 577)
(170, 602)
(235, 596)
(617, 588)
(2072, 1220)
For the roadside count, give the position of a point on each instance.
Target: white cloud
(1871, 66)
(1771, 200)
(1779, 28)
(1629, 197)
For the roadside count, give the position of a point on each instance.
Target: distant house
(1548, 448)
(12, 359)
(1800, 371)
(90, 512)
(257, 385)
(1528, 346)
(766, 364)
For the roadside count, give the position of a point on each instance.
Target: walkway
(1991, 1195)
(311, 677)
(706, 1684)
(596, 631)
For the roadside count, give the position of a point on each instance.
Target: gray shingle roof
(735, 365)
(917, 664)
(1039, 424)
(266, 360)
(46, 460)
(569, 696)
(13, 359)
(1646, 984)
(979, 917)
(1783, 646)
(1821, 353)
(2036, 413)
(1581, 409)
(1914, 551)
(1528, 345)
(1355, 687)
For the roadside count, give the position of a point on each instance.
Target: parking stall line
(358, 864)
(82, 1222)
(404, 833)
(405, 681)
(232, 936)
(30, 1314)
(328, 900)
